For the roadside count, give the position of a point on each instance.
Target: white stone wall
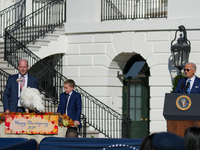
(96, 51)
(83, 52)
(83, 11)
(88, 61)
(93, 64)
(6, 3)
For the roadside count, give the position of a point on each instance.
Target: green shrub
(175, 81)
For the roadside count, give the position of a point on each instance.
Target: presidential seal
(183, 102)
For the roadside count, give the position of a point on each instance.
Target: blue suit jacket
(194, 90)
(74, 106)
(10, 96)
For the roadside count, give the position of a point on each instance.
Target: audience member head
(69, 86)
(192, 138)
(168, 141)
(147, 143)
(23, 66)
(190, 69)
(72, 132)
(162, 141)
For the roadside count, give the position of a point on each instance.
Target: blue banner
(56, 143)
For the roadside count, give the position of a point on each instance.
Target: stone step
(1, 54)
(3, 64)
(28, 32)
(1, 106)
(91, 132)
(42, 27)
(41, 42)
(10, 71)
(1, 45)
(33, 47)
(52, 37)
(47, 36)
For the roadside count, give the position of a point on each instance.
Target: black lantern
(181, 50)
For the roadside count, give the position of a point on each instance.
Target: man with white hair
(191, 83)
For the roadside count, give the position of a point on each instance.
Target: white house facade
(96, 52)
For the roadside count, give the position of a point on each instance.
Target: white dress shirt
(68, 101)
(25, 85)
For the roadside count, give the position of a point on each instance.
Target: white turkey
(31, 99)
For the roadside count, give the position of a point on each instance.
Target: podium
(181, 110)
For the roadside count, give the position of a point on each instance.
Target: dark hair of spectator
(71, 132)
(147, 143)
(192, 138)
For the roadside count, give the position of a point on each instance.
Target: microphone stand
(187, 86)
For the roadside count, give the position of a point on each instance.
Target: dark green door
(139, 107)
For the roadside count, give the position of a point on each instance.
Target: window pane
(138, 102)
(138, 115)
(132, 90)
(132, 114)
(138, 89)
(132, 102)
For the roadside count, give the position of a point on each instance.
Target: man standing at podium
(191, 83)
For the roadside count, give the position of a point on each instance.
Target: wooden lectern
(181, 110)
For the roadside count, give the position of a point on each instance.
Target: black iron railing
(83, 130)
(37, 4)
(133, 9)
(100, 116)
(30, 28)
(38, 23)
(3, 81)
(103, 118)
(49, 104)
(11, 14)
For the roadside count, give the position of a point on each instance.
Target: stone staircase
(91, 132)
(37, 46)
(4, 65)
(43, 41)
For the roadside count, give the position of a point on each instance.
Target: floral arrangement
(63, 120)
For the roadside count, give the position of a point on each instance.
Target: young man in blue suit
(190, 84)
(11, 96)
(70, 102)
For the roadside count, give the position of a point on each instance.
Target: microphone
(187, 86)
(182, 86)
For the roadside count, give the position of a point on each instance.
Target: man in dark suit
(70, 102)
(191, 83)
(11, 96)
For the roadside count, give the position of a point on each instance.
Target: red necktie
(22, 82)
